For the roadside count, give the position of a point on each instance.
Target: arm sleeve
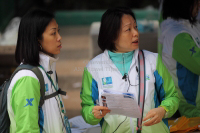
(25, 99)
(89, 95)
(186, 52)
(165, 88)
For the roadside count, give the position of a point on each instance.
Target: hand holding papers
(120, 103)
(100, 111)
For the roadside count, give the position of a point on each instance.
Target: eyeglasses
(131, 79)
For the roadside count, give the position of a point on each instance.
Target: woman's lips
(60, 46)
(135, 42)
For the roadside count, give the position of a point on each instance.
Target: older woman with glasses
(119, 39)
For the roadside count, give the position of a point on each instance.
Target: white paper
(78, 124)
(120, 103)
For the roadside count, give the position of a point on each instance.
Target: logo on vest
(29, 102)
(46, 87)
(193, 51)
(147, 77)
(107, 82)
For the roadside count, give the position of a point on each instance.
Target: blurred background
(79, 21)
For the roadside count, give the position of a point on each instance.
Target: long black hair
(31, 28)
(110, 27)
(179, 9)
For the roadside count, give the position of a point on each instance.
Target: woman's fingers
(100, 108)
(100, 111)
(155, 115)
(152, 121)
(149, 115)
(97, 115)
(104, 112)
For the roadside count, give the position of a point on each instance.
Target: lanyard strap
(58, 91)
(49, 79)
(141, 96)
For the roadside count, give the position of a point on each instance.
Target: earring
(40, 47)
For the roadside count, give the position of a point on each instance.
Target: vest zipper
(124, 67)
(126, 83)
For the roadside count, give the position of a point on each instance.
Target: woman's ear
(39, 41)
(39, 44)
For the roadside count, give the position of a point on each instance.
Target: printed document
(120, 103)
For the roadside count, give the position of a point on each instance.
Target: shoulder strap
(142, 87)
(59, 91)
(39, 75)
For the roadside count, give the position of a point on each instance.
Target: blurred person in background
(180, 37)
(198, 16)
(38, 44)
(119, 39)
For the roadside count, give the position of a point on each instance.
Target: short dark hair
(179, 9)
(110, 27)
(31, 28)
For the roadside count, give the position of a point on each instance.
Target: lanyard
(141, 96)
(56, 88)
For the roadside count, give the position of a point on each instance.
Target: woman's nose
(135, 33)
(59, 37)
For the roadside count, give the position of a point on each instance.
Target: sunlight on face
(128, 38)
(51, 39)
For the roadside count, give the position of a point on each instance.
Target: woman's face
(195, 9)
(128, 37)
(51, 39)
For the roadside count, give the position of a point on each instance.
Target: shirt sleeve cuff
(167, 111)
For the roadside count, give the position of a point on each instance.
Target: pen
(97, 104)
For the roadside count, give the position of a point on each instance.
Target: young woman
(38, 44)
(119, 39)
(180, 38)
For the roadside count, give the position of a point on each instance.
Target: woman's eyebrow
(53, 29)
(126, 25)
